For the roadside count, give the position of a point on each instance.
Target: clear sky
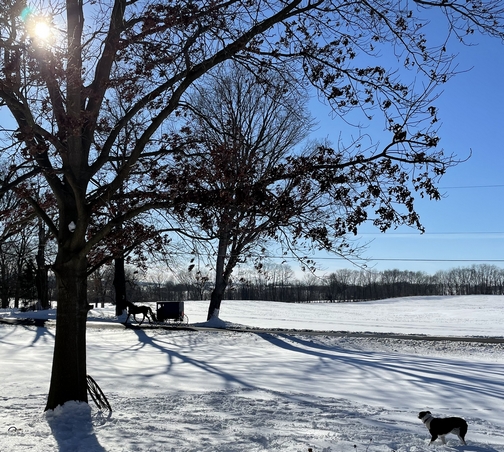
(467, 226)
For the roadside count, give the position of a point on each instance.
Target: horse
(146, 311)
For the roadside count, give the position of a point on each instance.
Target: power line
(398, 259)
(353, 259)
(435, 260)
(473, 186)
(417, 234)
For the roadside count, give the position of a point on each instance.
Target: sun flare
(42, 30)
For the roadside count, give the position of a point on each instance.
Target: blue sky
(467, 226)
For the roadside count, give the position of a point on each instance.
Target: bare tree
(245, 128)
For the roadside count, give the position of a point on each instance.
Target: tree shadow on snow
(446, 377)
(42, 332)
(172, 356)
(438, 375)
(475, 448)
(72, 428)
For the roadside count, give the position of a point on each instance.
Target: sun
(42, 30)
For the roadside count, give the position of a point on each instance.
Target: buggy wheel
(182, 320)
(97, 394)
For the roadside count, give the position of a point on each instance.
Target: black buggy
(171, 312)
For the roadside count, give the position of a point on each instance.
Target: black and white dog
(440, 427)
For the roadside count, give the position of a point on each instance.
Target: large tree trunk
(119, 285)
(216, 298)
(221, 282)
(220, 279)
(4, 284)
(224, 268)
(69, 377)
(41, 272)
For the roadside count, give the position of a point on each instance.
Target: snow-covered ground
(222, 390)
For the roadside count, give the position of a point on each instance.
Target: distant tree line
(24, 276)
(351, 285)
(273, 282)
(277, 283)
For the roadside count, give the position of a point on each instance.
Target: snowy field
(222, 390)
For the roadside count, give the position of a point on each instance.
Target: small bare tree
(245, 127)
